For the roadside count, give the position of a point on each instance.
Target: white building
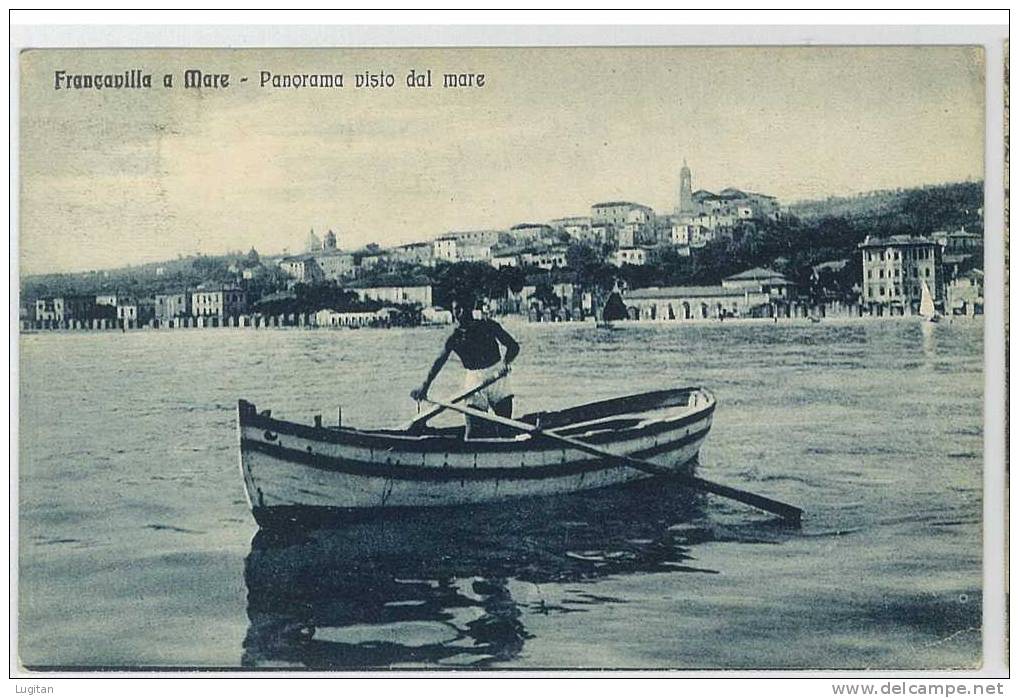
(301, 269)
(336, 266)
(895, 269)
(420, 253)
(619, 213)
(436, 316)
(637, 256)
(761, 280)
(477, 237)
(411, 293)
(353, 318)
(527, 233)
(473, 252)
(505, 260)
(444, 249)
(218, 302)
(578, 228)
(551, 258)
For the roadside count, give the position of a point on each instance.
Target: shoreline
(515, 321)
(623, 324)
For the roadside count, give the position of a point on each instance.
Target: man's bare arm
(506, 339)
(440, 361)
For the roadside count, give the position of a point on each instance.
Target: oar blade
(789, 513)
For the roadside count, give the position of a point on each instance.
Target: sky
(116, 177)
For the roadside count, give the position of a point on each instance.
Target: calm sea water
(137, 549)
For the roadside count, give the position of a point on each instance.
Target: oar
(787, 511)
(419, 421)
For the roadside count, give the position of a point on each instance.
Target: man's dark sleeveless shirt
(476, 344)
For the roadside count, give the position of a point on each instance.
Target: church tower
(313, 244)
(685, 190)
(329, 241)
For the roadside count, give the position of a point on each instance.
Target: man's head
(463, 308)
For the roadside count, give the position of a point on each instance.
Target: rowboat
(296, 472)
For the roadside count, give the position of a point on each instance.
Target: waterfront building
(353, 318)
(896, 267)
(303, 269)
(65, 308)
(135, 312)
(696, 302)
(762, 280)
(406, 291)
(636, 256)
(965, 295)
(435, 315)
(49, 309)
(560, 283)
(336, 266)
(218, 302)
(959, 242)
(172, 305)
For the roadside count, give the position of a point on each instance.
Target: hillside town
(562, 269)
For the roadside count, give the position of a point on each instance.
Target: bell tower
(685, 190)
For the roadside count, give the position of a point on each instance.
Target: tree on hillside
(462, 279)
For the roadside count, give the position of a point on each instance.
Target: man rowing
(477, 343)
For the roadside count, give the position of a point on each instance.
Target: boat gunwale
(449, 443)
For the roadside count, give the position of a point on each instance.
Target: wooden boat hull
(297, 472)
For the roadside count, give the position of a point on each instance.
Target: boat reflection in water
(433, 588)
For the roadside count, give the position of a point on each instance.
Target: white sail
(927, 302)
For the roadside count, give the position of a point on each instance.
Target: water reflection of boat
(436, 587)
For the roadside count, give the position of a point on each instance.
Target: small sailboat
(927, 310)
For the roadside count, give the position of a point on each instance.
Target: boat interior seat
(619, 422)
